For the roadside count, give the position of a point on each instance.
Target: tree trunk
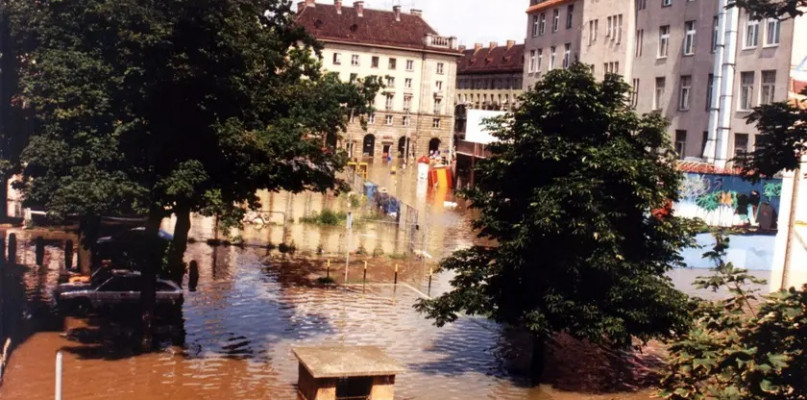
(538, 354)
(88, 230)
(3, 198)
(176, 264)
(149, 269)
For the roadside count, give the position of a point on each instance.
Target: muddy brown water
(234, 335)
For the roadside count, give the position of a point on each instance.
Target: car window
(121, 284)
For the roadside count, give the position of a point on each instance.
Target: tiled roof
(375, 27)
(492, 60)
(546, 4)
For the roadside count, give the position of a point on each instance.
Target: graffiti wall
(726, 201)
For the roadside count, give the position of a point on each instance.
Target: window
(569, 13)
(772, 32)
(540, 59)
(768, 87)
(658, 99)
(436, 123)
(686, 91)
(709, 91)
(611, 67)
(666, 3)
(689, 38)
(388, 100)
(751, 32)
(392, 63)
(374, 62)
(337, 58)
(552, 58)
(390, 82)
(609, 32)
(567, 52)
(592, 31)
(555, 19)
(408, 83)
(618, 28)
(740, 148)
(531, 67)
(680, 143)
(438, 85)
(639, 43)
(534, 25)
(542, 24)
(438, 106)
(408, 102)
(388, 120)
(440, 68)
(371, 119)
(746, 91)
(641, 4)
(410, 65)
(634, 94)
(354, 60)
(715, 33)
(663, 41)
(405, 120)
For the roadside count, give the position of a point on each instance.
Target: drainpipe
(717, 145)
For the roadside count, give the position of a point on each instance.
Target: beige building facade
(490, 77)
(418, 67)
(701, 65)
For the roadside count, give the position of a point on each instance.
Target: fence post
(40, 250)
(58, 394)
(68, 254)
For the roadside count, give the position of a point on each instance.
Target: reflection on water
(234, 334)
(238, 330)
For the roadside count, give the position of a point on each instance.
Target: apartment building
(417, 66)
(490, 78)
(701, 65)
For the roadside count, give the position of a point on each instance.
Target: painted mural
(730, 201)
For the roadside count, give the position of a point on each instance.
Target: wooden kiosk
(345, 373)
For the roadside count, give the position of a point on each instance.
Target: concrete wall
(383, 388)
(715, 198)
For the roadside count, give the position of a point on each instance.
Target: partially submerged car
(120, 288)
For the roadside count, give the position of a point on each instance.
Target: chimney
(397, 11)
(493, 45)
(462, 48)
(338, 5)
(416, 12)
(359, 6)
(510, 44)
(477, 47)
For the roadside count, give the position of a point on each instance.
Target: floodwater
(234, 335)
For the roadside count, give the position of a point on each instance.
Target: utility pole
(791, 227)
(349, 232)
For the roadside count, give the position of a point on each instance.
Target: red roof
(545, 4)
(495, 60)
(374, 27)
(706, 168)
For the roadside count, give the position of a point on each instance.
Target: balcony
(440, 41)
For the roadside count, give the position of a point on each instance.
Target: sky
(471, 21)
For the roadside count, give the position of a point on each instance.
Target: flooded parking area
(233, 337)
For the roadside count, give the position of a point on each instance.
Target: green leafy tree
(781, 9)
(160, 107)
(782, 141)
(737, 347)
(576, 196)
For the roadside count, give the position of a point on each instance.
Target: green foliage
(737, 349)
(782, 142)
(569, 195)
(326, 217)
(781, 9)
(172, 105)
